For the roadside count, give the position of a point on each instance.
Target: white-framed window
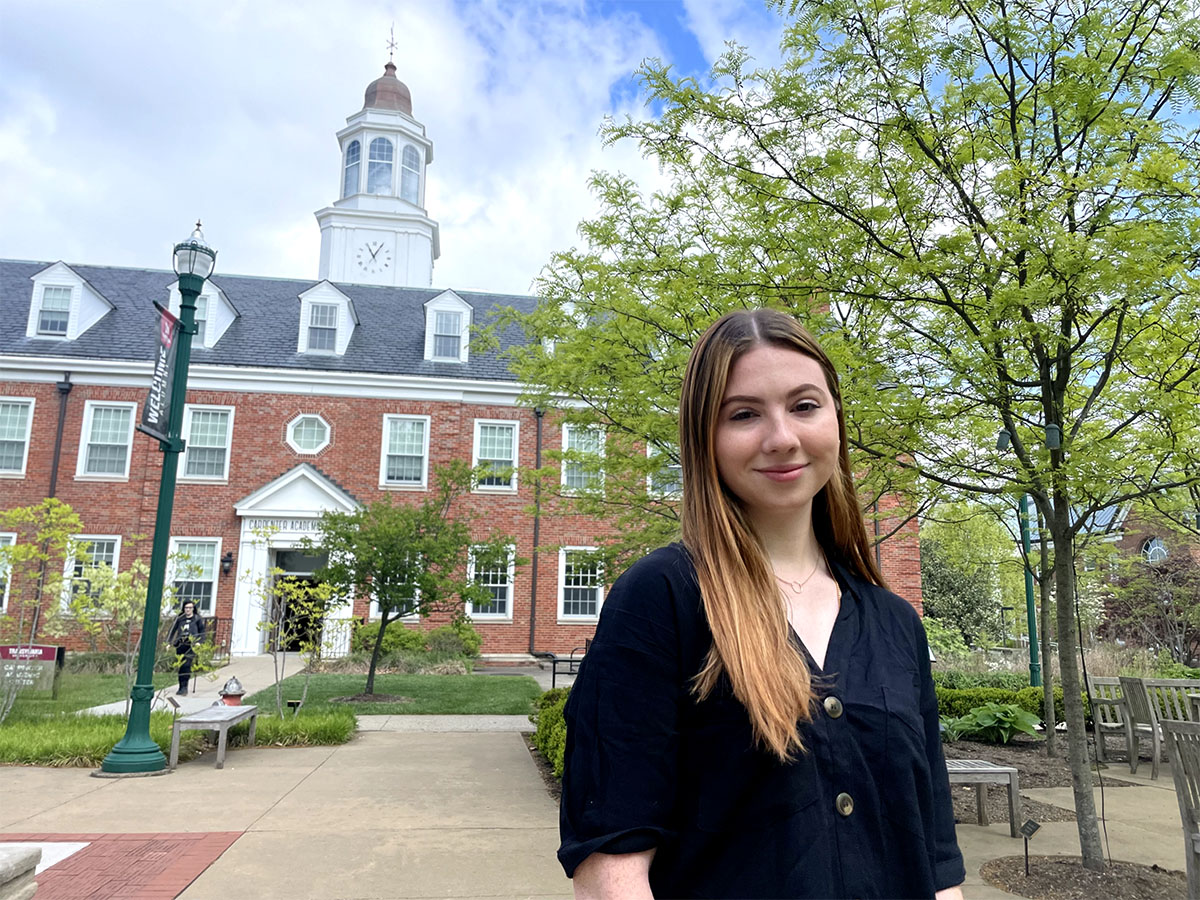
(1154, 550)
(408, 594)
(580, 584)
(322, 327)
(194, 571)
(447, 335)
(405, 457)
(496, 442)
(7, 539)
(410, 175)
(201, 321)
(106, 439)
(350, 178)
(379, 167)
(16, 424)
(579, 442)
(494, 572)
(667, 479)
(308, 433)
(54, 314)
(86, 554)
(208, 433)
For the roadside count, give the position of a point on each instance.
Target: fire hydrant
(233, 692)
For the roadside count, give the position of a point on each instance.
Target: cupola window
(379, 167)
(410, 175)
(350, 179)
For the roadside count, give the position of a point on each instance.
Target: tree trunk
(383, 624)
(1049, 712)
(1068, 664)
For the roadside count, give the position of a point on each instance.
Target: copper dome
(388, 92)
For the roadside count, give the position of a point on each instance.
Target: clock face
(373, 256)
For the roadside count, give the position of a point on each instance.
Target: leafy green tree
(990, 207)
(408, 558)
(1158, 604)
(31, 566)
(296, 612)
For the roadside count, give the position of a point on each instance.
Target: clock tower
(377, 231)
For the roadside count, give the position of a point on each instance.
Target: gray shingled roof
(389, 339)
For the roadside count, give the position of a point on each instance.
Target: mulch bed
(372, 698)
(553, 785)
(1065, 878)
(1037, 770)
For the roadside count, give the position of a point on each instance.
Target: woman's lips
(783, 473)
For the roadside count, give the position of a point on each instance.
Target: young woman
(756, 717)
(186, 631)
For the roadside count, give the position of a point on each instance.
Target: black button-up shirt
(864, 812)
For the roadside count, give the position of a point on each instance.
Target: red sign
(49, 654)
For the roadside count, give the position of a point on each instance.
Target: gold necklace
(797, 586)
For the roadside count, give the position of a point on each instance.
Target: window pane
(195, 568)
(107, 444)
(496, 452)
(199, 592)
(410, 175)
(55, 311)
(322, 332)
(208, 441)
(581, 440)
(14, 424)
(447, 335)
(492, 574)
(581, 586)
(379, 167)
(309, 433)
(201, 321)
(350, 181)
(406, 451)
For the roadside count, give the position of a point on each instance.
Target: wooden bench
(214, 718)
(981, 773)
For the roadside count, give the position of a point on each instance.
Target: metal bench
(215, 718)
(568, 665)
(981, 773)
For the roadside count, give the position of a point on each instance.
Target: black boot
(183, 683)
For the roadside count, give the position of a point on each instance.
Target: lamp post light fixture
(136, 752)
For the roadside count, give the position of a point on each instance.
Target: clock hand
(375, 251)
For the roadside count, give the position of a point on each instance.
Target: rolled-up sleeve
(945, 858)
(619, 777)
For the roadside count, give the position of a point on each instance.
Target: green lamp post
(136, 752)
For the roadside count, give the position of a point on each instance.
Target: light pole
(136, 752)
(1053, 441)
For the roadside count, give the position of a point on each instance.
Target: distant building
(303, 396)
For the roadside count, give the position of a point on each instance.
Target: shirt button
(833, 706)
(844, 804)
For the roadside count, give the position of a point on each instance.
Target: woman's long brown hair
(741, 599)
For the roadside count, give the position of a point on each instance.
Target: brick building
(303, 396)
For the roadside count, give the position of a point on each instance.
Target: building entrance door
(294, 623)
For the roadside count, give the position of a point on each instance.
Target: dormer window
(201, 321)
(350, 179)
(379, 167)
(55, 312)
(322, 327)
(410, 175)
(447, 335)
(447, 326)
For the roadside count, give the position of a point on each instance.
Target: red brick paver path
(128, 866)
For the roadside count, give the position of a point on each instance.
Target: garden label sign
(33, 667)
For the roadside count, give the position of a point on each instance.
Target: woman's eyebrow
(749, 398)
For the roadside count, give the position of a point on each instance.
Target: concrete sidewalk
(421, 814)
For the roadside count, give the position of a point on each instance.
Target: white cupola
(377, 231)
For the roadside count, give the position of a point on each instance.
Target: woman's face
(777, 438)
(189, 609)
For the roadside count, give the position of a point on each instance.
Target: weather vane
(391, 44)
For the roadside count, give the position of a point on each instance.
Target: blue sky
(122, 122)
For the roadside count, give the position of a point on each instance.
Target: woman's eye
(806, 406)
(741, 414)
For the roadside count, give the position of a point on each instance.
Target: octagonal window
(308, 434)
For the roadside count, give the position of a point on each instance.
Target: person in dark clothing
(756, 716)
(186, 631)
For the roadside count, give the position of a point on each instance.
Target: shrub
(1166, 667)
(946, 643)
(996, 723)
(551, 735)
(395, 639)
(1032, 699)
(95, 662)
(457, 639)
(957, 703)
(956, 679)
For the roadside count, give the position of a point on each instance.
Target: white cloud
(139, 116)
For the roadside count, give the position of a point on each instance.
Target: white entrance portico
(278, 516)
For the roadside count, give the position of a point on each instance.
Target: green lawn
(77, 691)
(429, 694)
